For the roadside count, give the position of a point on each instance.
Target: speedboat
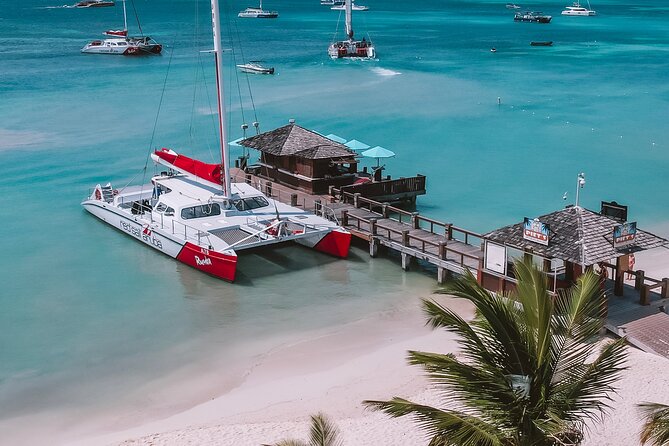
(94, 3)
(531, 16)
(258, 13)
(332, 2)
(255, 67)
(578, 10)
(542, 43)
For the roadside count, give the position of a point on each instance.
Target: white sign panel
(495, 257)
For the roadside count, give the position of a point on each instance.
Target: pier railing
(399, 186)
(414, 219)
(642, 283)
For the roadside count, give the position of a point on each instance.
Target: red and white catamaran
(193, 212)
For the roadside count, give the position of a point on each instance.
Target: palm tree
(524, 377)
(656, 427)
(322, 433)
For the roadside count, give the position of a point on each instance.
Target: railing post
(344, 217)
(415, 223)
(373, 247)
(405, 237)
(293, 200)
(665, 288)
(442, 250)
(638, 280)
(268, 188)
(372, 225)
(449, 231)
(247, 178)
(643, 295)
(318, 207)
(356, 199)
(331, 191)
(384, 210)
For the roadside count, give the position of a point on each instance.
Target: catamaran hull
(221, 265)
(335, 243)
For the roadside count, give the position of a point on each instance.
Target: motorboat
(542, 43)
(512, 6)
(192, 211)
(578, 10)
(531, 16)
(332, 2)
(354, 7)
(255, 67)
(94, 3)
(120, 43)
(258, 13)
(351, 48)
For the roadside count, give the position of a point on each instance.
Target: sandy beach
(334, 371)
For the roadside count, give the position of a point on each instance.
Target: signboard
(495, 257)
(624, 234)
(614, 210)
(535, 231)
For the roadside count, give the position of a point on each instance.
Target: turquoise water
(87, 314)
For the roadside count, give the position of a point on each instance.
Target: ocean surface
(92, 322)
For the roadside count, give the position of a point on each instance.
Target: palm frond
(448, 427)
(323, 432)
(291, 443)
(656, 426)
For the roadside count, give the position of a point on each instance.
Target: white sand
(333, 373)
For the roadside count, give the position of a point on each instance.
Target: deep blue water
(87, 313)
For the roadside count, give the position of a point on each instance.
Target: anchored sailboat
(121, 44)
(192, 211)
(350, 48)
(258, 13)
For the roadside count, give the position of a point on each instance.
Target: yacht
(258, 13)
(531, 16)
(354, 7)
(577, 9)
(351, 48)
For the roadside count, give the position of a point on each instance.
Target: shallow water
(88, 313)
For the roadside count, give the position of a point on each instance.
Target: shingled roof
(293, 140)
(567, 228)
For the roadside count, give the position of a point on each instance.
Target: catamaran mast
(349, 25)
(218, 55)
(125, 19)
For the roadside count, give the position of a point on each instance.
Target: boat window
(247, 204)
(161, 207)
(205, 210)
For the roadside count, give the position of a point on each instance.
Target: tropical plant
(530, 373)
(322, 433)
(656, 426)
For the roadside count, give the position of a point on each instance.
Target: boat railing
(181, 229)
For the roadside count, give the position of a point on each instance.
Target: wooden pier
(415, 237)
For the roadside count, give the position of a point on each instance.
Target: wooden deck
(443, 245)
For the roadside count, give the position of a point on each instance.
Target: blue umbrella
(378, 152)
(354, 144)
(335, 138)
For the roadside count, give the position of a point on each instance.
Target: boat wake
(385, 71)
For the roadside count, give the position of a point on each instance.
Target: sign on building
(624, 234)
(536, 231)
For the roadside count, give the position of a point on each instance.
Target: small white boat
(332, 2)
(354, 7)
(255, 67)
(578, 10)
(350, 48)
(258, 13)
(512, 6)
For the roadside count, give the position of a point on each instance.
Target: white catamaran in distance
(193, 212)
(358, 49)
(578, 10)
(121, 44)
(258, 13)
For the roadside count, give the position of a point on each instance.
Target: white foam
(385, 71)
